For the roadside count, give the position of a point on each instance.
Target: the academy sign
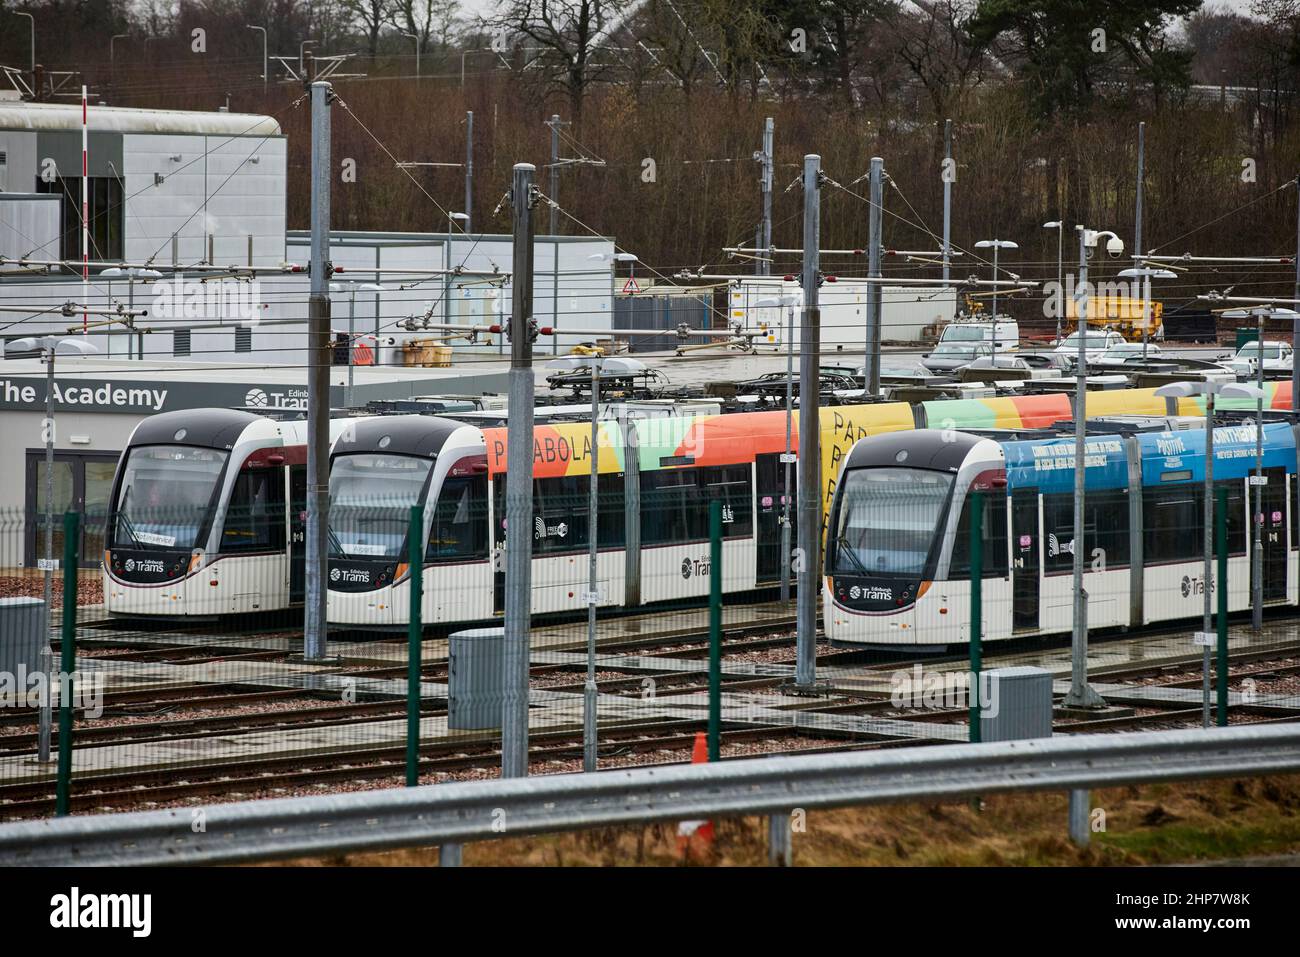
(146, 397)
(102, 397)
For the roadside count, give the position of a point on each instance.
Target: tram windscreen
(371, 495)
(888, 520)
(165, 496)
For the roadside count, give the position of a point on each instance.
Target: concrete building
(171, 189)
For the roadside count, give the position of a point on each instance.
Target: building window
(105, 208)
(181, 342)
(243, 339)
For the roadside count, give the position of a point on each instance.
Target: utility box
(1246, 334)
(21, 623)
(1019, 705)
(475, 679)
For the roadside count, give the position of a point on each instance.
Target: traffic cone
(696, 834)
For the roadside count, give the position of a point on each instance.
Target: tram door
(769, 488)
(297, 532)
(1273, 534)
(1024, 559)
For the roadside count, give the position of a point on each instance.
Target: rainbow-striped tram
(898, 561)
(657, 477)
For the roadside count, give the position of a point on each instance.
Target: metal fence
(190, 683)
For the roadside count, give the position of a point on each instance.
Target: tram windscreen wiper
(841, 548)
(121, 514)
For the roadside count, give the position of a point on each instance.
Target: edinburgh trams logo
(1194, 585)
(143, 565)
(288, 399)
(694, 567)
(256, 398)
(350, 575)
(872, 592)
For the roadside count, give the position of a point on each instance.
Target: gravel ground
(90, 587)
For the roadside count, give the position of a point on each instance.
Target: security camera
(1115, 247)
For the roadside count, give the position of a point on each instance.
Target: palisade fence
(190, 682)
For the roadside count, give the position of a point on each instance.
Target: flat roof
(120, 119)
(170, 370)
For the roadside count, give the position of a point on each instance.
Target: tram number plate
(1204, 639)
(789, 457)
(47, 564)
(591, 597)
(1259, 480)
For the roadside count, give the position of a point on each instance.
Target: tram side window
(675, 503)
(255, 519)
(1239, 529)
(1105, 530)
(1171, 523)
(460, 521)
(993, 532)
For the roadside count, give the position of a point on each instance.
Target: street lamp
(790, 301)
(1146, 274)
(1059, 226)
(1258, 480)
(1229, 390)
(1082, 694)
(19, 13)
(48, 346)
(609, 364)
(453, 218)
(131, 274)
(352, 287)
(265, 72)
(412, 36)
(112, 59)
(995, 245)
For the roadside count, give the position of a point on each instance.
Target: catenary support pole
(1257, 480)
(1207, 545)
(593, 596)
(1221, 638)
(414, 641)
(519, 483)
(68, 654)
(976, 607)
(46, 718)
(875, 294)
(947, 201)
(1082, 694)
(469, 171)
(715, 630)
(1295, 321)
(780, 847)
(1079, 810)
(763, 264)
(808, 565)
(318, 381)
(788, 457)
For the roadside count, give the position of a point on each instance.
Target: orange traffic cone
(697, 834)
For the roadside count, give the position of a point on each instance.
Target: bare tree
(939, 52)
(569, 34)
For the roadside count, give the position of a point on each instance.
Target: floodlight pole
(1082, 694)
(763, 263)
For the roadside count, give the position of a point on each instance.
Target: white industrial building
(906, 311)
(174, 188)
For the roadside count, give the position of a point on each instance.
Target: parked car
(950, 356)
(1278, 357)
(982, 331)
(1096, 343)
(1125, 353)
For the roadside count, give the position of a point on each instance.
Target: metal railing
(452, 814)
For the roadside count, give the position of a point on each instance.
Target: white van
(982, 332)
